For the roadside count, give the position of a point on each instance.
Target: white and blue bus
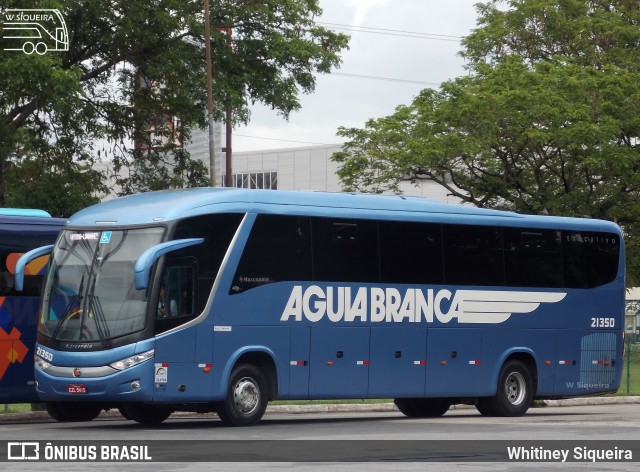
(224, 299)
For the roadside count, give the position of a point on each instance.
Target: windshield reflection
(90, 294)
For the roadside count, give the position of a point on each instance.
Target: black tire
(145, 414)
(247, 397)
(514, 394)
(73, 411)
(124, 412)
(484, 408)
(423, 407)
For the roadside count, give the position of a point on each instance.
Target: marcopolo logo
(33, 30)
(390, 305)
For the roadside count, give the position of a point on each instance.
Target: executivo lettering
(390, 305)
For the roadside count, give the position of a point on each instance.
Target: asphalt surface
(341, 408)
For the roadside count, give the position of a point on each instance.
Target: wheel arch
(259, 356)
(522, 354)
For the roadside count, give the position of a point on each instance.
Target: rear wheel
(145, 414)
(423, 407)
(515, 392)
(247, 397)
(73, 411)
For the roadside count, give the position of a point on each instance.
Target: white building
(301, 168)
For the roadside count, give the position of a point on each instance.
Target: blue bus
(21, 230)
(220, 300)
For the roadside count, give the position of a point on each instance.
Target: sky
(413, 42)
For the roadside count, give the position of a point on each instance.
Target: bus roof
(170, 205)
(24, 212)
(28, 224)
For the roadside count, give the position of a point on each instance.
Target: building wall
(301, 168)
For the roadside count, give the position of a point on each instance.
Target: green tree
(546, 121)
(133, 84)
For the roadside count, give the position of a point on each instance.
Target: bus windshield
(90, 295)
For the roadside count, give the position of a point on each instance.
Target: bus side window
(176, 292)
(6, 282)
(473, 255)
(345, 250)
(590, 259)
(33, 275)
(533, 257)
(218, 231)
(278, 249)
(411, 252)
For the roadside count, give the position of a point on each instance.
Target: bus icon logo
(23, 451)
(34, 30)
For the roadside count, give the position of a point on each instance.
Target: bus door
(398, 362)
(177, 372)
(453, 361)
(339, 362)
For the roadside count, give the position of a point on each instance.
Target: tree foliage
(546, 121)
(133, 84)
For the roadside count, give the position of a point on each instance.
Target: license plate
(77, 388)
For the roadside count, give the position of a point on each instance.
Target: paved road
(607, 424)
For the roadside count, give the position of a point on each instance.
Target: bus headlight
(41, 363)
(129, 362)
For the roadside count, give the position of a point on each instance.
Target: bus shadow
(213, 422)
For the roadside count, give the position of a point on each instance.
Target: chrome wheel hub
(246, 395)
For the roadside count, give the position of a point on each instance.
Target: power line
(283, 140)
(392, 32)
(389, 79)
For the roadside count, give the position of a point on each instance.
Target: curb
(384, 407)
(36, 416)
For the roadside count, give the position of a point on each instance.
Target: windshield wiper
(94, 307)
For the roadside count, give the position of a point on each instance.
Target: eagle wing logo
(477, 306)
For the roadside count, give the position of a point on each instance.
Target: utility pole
(228, 182)
(207, 43)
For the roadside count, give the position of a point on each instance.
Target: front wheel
(145, 414)
(423, 407)
(515, 392)
(247, 397)
(73, 411)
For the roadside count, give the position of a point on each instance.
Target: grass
(15, 408)
(632, 365)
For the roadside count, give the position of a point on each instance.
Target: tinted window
(473, 255)
(345, 250)
(590, 259)
(12, 245)
(410, 253)
(533, 257)
(217, 231)
(278, 249)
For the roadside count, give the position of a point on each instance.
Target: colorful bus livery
(20, 231)
(38, 30)
(224, 299)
